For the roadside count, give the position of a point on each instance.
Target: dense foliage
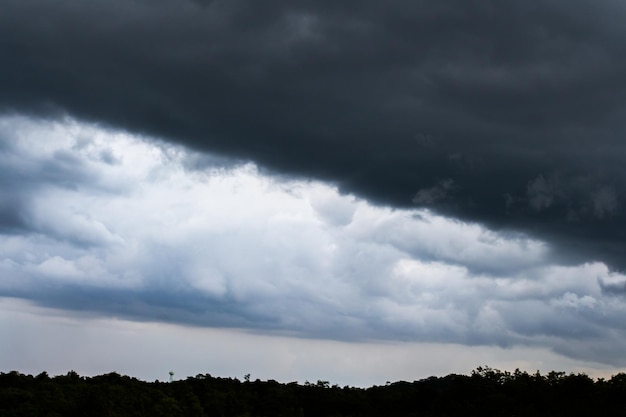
(487, 392)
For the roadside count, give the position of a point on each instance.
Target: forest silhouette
(486, 392)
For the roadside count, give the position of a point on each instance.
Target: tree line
(486, 392)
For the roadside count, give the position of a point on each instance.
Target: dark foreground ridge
(487, 392)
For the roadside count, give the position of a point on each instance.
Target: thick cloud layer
(509, 113)
(112, 225)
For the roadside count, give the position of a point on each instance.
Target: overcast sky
(349, 191)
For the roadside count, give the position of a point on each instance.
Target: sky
(357, 192)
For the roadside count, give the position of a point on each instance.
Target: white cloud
(142, 234)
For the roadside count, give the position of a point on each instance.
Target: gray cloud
(579, 196)
(435, 194)
(541, 193)
(605, 202)
(381, 100)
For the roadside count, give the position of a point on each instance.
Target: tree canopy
(486, 392)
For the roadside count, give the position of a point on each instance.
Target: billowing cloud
(114, 225)
(519, 105)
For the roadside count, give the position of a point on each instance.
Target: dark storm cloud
(504, 112)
